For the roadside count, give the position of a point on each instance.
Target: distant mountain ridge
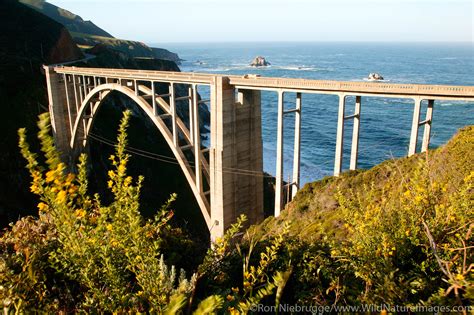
(87, 35)
(73, 22)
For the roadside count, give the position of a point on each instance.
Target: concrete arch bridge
(227, 177)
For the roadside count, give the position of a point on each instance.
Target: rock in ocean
(259, 61)
(375, 77)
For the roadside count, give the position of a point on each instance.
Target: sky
(162, 21)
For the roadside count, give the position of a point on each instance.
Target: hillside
(73, 22)
(132, 48)
(399, 233)
(87, 35)
(28, 40)
(316, 208)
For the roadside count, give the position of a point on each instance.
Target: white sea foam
(366, 79)
(217, 69)
(455, 104)
(302, 68)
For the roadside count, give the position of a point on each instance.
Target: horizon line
(310, 41)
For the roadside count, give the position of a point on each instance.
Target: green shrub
(400, 233)
(109, 254)
(81, 255)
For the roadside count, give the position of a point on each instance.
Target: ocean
(385, 123)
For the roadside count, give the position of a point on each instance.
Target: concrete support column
(355, 135)
(279, 203)
(236, 164)
(71, 114)
(153, 98)
(340, 136)
(197, 139)
(414, 127)
(190, 112)
(59, 112)
(173, 114)
(297, 148)
(428, 121)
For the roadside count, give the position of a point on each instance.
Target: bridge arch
(227, 182)
(90, 106)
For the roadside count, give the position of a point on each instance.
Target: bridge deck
(382, 89)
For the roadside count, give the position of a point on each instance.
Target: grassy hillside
(399, 233)
(133, 49)
(316, 208)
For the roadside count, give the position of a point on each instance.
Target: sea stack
(259, 61)
(375, 77)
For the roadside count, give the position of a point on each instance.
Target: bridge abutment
(236, 158)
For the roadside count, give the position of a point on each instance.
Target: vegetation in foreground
(400, 234)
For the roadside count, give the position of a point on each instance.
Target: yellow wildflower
(36, 176)
(50, 176)
(42, 206)
(34, 189)
(80, 213)
(61, 197)
(109, 227)
(230, 298)
(121, 169)
(459, 277)
(418, 198)
(232, 311)
(235, 290)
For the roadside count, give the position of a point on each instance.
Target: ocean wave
(302, 68)
(455, 104)
(217, 69)
(366, 79)
(298, 68)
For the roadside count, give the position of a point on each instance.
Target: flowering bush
(82, 255)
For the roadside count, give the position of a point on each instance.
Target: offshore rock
(259, 61)
(375, 77)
